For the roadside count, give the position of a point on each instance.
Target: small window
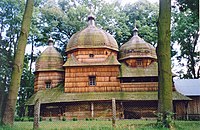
(48, 84)
(91, 55)
(92, 80)
(139, 62)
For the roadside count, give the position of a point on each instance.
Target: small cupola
(50, 59)
(136, 47)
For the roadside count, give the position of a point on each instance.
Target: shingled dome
(50, 59)
(136, 47)
(92, 37)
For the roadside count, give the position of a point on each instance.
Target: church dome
(136, 47)
(92, 37)
(50, 59)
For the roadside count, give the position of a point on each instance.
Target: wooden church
(96, 71)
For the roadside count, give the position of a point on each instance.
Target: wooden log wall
(139, 52)
(134, 62)
(77, 79)
(101, 110)
(194, 105)
(81, 110)
(83, 54)
(140, 109)
(42, 77)
(188, 110)
(139, 86)
(180, 109)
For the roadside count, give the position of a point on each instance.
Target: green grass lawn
(103, 125)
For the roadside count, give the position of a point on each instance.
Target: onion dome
(50, 59)
(136, 47)
(92, 37)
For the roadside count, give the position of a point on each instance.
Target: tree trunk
(8, 116)
(113, 113)
(32, 50)
(164, 62)
(36, 115)
(2, 93)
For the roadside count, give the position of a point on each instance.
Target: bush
(17, 118)
(50, 119)
(40, 118)
(168, 122)
(63, 119)
(74, 119)
(22, 118)
(30, 118)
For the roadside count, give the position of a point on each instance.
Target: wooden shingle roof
(92, 37)
(72, 61)
(56, 95)
(149, 71)
(49, 60)
(136, 47)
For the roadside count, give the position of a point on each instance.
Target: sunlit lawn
(103, 125)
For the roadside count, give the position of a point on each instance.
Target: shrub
(168, 122)
(17, 118)
(50, 119)
(74, 119)
(22, 118)
(30, 118)
(40, 118)
(63, 119)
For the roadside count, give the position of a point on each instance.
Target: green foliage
(11, 15)
(40, 118)
(50, 119)
(74, 119)
(26, 88)
(189, 4)
(17, 118)
(163, 121)
(145, 14)
(185, 32)
(31, 119)
(63, 119)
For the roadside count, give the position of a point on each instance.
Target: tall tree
(10, 16)
(186, 34)
(164, 62)
(145, 14)
(26, 88)
(8, 116)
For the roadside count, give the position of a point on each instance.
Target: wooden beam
(36, 114)
(113, 112)
(92, 109)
